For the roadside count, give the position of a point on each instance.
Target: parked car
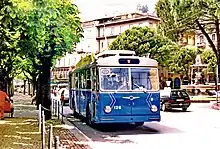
(174, 98)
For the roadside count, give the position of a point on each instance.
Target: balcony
(201, 44)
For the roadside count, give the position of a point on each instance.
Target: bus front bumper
(128, 119)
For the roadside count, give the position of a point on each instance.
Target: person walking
(3, 97)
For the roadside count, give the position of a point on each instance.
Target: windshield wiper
(140, 88)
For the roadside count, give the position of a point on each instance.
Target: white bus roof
(114, 53)
(114, 61)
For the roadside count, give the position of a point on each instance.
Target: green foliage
(11, 26)
(144, 40)
(182, 16)
(208, 57)
(52, 29)
(183, 59)
(85, 60)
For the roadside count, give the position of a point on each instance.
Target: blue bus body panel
(126, 107)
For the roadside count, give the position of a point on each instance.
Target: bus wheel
(139, 124)
(88, 115)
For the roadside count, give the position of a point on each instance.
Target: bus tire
(88, 115)
(139, 124)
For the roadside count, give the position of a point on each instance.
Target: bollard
(39, 117)
(43, 130)
(57, 142)
(50, 143)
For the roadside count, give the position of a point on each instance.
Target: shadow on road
(113, 132)
(178, 111)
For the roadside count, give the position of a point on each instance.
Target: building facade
(97, 35)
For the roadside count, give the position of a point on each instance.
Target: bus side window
(88, 79)
(80, 80)
(94, 79)
(75, 82)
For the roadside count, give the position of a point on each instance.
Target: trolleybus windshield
(124, 79)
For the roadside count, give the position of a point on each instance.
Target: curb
(201, 101)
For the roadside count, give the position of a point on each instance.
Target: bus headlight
(154, 108)
(107, 109)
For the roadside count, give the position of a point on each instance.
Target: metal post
(217, 84)
(62, 112)
(58, 113)
(55, 107)
(52, 107)
(39, 117)
(57, 142)
(43, 130)
(50, 143)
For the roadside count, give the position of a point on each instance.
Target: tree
(208, 57)
(10, 29)
(52, 28)
(144, 40)
(185, 15)
(182, 60)
(142, 8)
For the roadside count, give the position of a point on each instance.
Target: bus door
(143, 82)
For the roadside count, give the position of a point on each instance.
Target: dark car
(175, 98)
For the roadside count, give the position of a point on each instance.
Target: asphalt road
(197, 128)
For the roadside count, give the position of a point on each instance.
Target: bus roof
(114, 61)
(107, 53)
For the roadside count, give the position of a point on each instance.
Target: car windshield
(120, 79)
(180, 94)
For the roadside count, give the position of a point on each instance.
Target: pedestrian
(3, 97)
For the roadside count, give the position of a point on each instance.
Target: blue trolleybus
(118, 87)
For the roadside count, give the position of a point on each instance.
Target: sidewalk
(70, 136)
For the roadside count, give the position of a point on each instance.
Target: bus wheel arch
(137, 124)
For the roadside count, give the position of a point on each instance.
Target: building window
(102, 45)
(201, 38)
(213, 37)
(103, 31)
(141, 24)
(120, 30)
(88, 46)
(112, 30)
(150, 24)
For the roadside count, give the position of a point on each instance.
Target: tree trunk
(29, 87)
(24, 87)
(43, 92)
(217, 81)
(34, 86)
